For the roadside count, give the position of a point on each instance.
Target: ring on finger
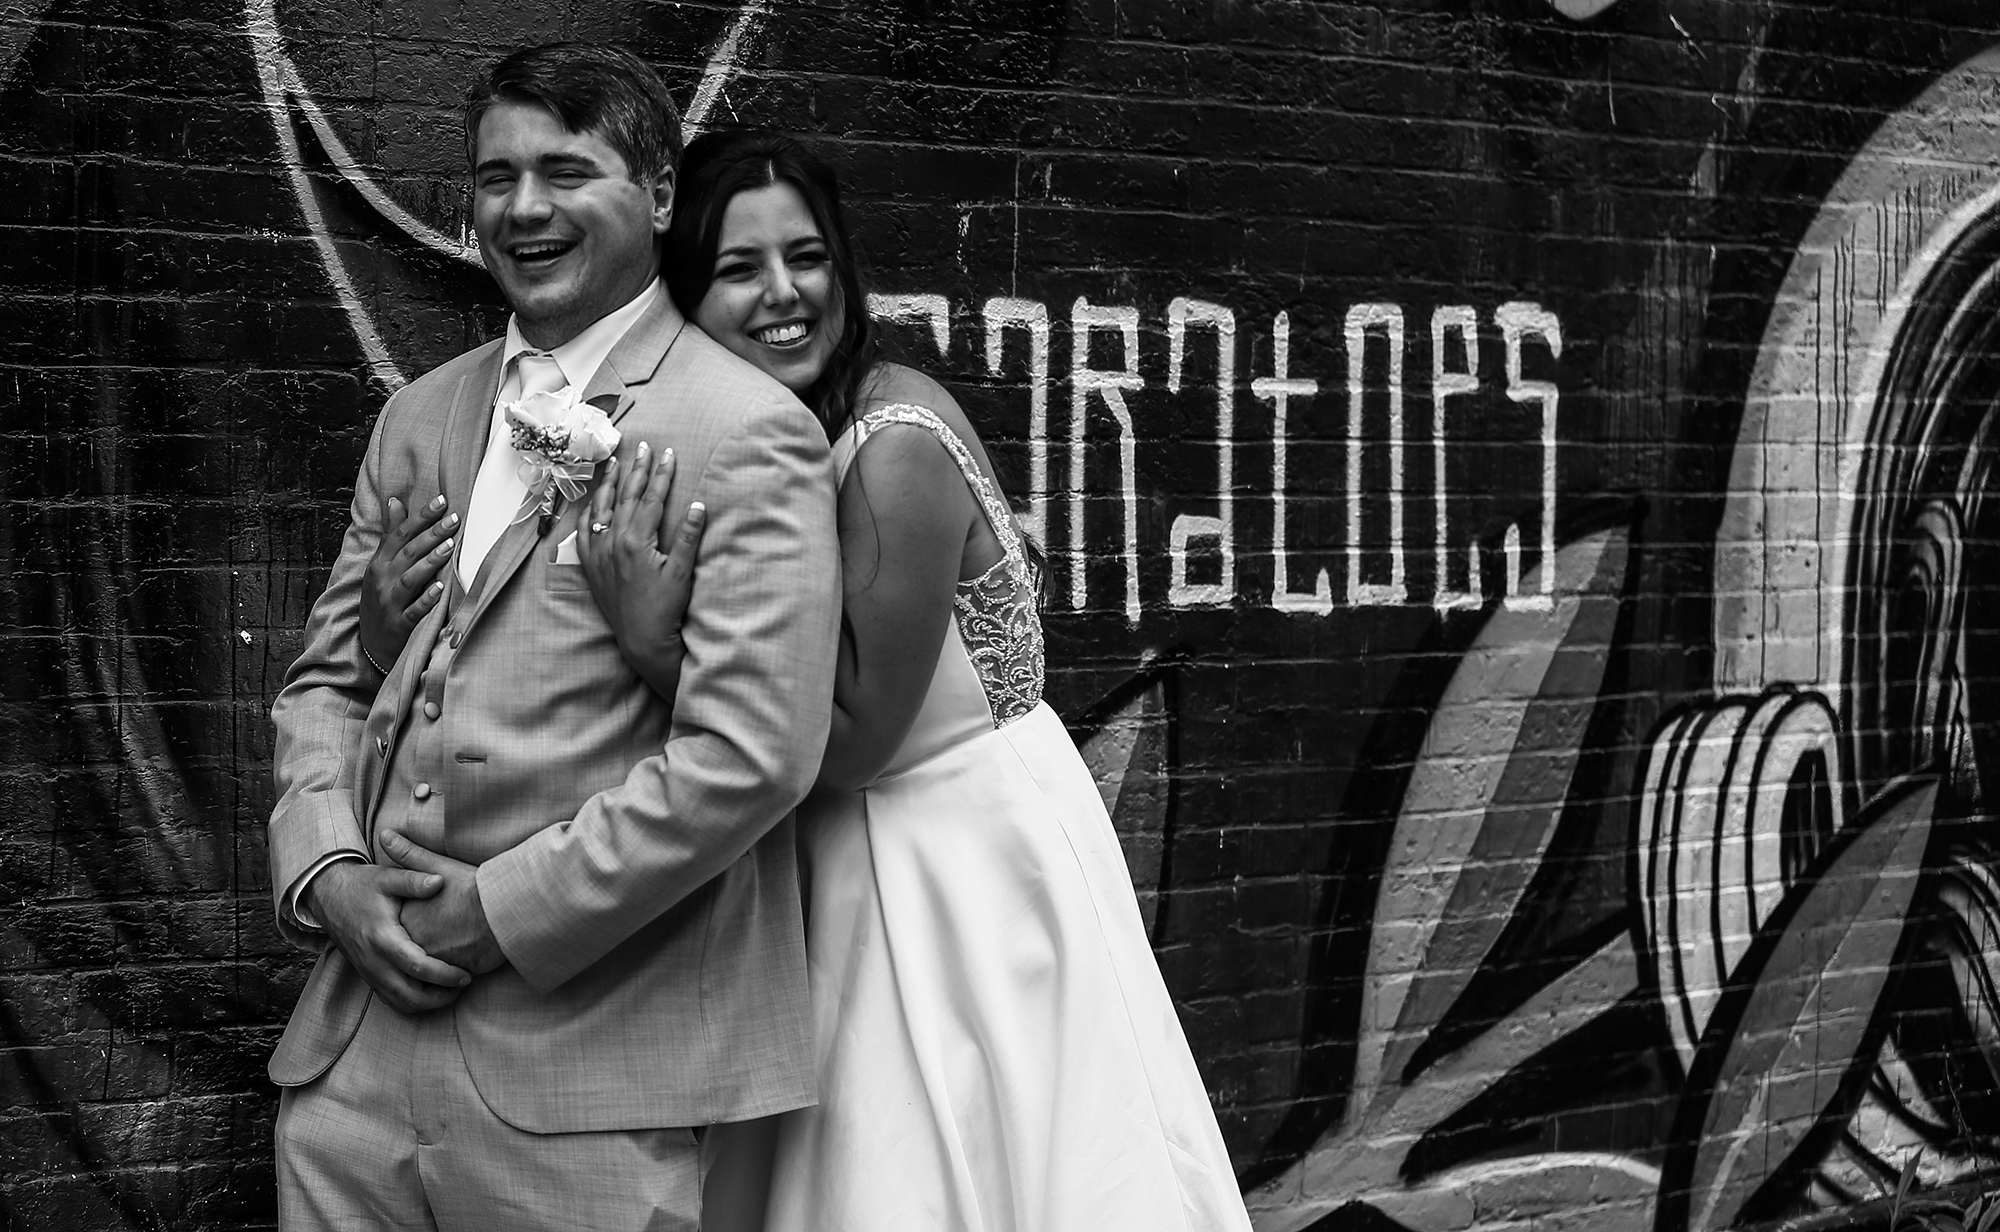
(598, 528)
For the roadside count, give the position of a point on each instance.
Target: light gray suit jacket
(635, 861)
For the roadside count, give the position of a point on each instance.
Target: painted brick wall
(1514, 478)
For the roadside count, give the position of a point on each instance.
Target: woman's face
(774, 300)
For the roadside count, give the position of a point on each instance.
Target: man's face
(562, 225)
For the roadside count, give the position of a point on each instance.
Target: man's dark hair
(589, 89)
(720, 165)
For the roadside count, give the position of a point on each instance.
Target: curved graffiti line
(276, 75)
(1814, 394)
(285, 89)
(17, 26)
(723, 65)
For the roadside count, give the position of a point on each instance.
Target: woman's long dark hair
(717, 166)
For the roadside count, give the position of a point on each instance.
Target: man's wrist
(303, 909)
(299, 903)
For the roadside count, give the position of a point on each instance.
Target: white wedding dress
(996, 1049)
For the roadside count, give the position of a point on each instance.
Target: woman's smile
(788, 334)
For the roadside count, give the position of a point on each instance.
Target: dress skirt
(996, 1049)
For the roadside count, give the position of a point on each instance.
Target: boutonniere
(561, 439)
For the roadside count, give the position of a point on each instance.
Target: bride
(996, 1050)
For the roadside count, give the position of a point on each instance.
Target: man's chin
(538, 308)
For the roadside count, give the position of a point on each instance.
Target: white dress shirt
(498, 490)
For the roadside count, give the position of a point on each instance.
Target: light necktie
(498, 489)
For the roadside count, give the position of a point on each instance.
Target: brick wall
(1513, 474)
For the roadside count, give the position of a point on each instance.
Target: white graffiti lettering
(1110, 384)
(1279, 389)
(1000, 313)
(1519, 319)
(1377, 328)
(1361, 319)
(1221, 528)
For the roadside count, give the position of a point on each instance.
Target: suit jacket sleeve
(750, 721)
(320, 712)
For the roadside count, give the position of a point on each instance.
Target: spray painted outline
(284, 89)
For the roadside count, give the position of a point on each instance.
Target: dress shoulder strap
(998, 515)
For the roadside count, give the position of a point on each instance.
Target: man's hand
(358, 905)
(450, 924)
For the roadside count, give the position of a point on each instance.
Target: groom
(558, 917)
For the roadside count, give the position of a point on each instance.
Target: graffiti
(1480, 811)
(1279, 389)
(1858, 401)
(287, 94)
(1114, 390)
(1517, 538)
(1221, 528)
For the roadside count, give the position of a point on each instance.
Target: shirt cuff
(295, 909)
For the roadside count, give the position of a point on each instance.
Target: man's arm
(320, 712)
(316, 842)
(750, 719)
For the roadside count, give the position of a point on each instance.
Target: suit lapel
(636, 358)
(633, 361)
(466, 429)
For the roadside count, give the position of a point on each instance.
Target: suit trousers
(396, 1135)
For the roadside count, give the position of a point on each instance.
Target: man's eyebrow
(562, 159)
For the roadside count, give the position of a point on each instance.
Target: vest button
(421, 791)
(432, 710)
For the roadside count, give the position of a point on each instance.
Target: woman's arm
(640, 571)
(905, 512)
(401, 584)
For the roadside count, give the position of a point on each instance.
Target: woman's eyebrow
(751, 250)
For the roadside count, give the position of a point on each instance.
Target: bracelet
(371, 658)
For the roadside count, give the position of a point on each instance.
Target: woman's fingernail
(437, 502)
(697, 511)
(444, 549)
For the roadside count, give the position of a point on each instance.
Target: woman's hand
(402, 583)
(640, 569)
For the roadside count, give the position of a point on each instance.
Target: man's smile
(535, 253)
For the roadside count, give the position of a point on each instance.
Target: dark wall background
(1603, 839)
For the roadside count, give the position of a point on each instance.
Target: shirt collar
(582, 355)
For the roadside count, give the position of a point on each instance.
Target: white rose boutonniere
(561, 439)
